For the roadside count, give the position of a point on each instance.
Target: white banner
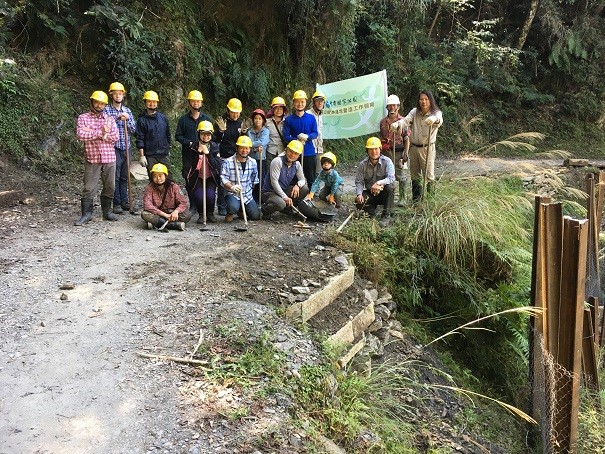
(354, 107)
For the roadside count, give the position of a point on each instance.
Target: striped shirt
(97, 149)
(113, 112)
(248, 176)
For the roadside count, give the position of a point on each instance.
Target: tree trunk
(527, 24)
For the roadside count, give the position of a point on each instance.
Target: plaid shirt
(97, 150)
(248, 176)
(113, 112)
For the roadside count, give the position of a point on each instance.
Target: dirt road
(71, 381)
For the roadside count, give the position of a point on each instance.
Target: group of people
(255, 166)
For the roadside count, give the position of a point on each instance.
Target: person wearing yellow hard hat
(374, 182)
(318, 102)
(99, 133)
(126, 124)
(285, 184)
(202, 171)
(239, 174)
(397, 150)
(153, 134)
(302, 126)
(227, 129)
(423, 120)
(275, 125)
(164, 207)
(186, 129)
(333, 183)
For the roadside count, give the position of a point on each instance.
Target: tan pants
(419, 164)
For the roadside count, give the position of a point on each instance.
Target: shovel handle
(241, 194)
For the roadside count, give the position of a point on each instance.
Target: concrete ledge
(355, 327)
(324, 297)
(356, 348)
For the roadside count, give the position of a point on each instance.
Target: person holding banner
(374, 182)
(318, 101)
(302, 126)
(423, 120)
(397, 145)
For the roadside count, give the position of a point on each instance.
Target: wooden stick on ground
(175, 359)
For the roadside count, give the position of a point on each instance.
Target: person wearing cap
(164, 207)
(401, 145)
(203, 163)
(374, 182)
(259, 134)
(318, 101)
(302, 126)
(123, 117)
(227, 129)
(423, 120)
(239, 182)
(275, 125)
(99, 133)
(333, 182)
(286, 183)
(153, 134)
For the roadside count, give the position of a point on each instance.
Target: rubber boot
(430, 187)
(106, 208)
(416, 191)
(176, 226)
(86, 212)
(401, 202)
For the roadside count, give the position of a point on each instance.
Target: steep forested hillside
(496, 67)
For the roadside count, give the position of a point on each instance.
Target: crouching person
(286, 183)
(238, 176)
(374, 182)
(163, 204)
(333, 182)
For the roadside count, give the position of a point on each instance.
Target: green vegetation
(495, 68)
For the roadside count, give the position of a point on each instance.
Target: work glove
(302, 137)
(143, 161)
(331, 199)
(246, 124)
(221, 124)
(394, 126)
(430, 120)
(310, 196)
(236, 189)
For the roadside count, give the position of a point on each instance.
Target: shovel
(204, 226)
(241, 198)
(299, 223)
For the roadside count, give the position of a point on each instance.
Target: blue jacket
(295, 125)
(153, 134)
(260, 138)
(331, 179)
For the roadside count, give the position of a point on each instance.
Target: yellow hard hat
(151, 96)
(100, 96)
(330, 157)
(244, 141)
(116, 86)
(299, 94)
(278, 101)
(205, 126)
(159, 168)
(296, 146)
(373, 142)
(195, 95)
(319, 94)
(234, 105)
